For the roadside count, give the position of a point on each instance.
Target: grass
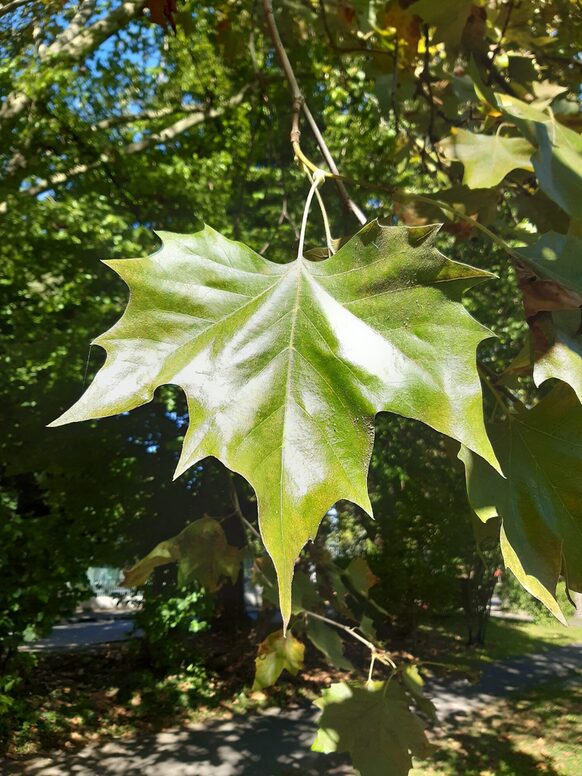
(538, 732)
(444, 641)
(77, 698)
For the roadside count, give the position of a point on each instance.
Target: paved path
(70, 636)
(276, 743)
(504, 677)
(270, 744)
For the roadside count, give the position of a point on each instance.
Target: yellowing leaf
(285, 366)
(360, 575)
(540, 502)
(405, 24)
(374, 724)
(201, 551)
(487, 159)
(277, 653)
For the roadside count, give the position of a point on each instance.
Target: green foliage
(515, 598)
(111, 133)
(421, 545)
(538, 501)
(169, 625)
(487, 159)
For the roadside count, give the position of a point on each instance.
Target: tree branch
(299, 104)
(70, 50)
(165, 135)
(8, 7)
(78, 22)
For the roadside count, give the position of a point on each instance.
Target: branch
(9, 7)
(299, 104)
(70, 50)
(77, 23)
(499, 43)
(166, 135)
(377, 652)
(148, 115)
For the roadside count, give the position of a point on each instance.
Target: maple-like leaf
(557, 348)
(328, 641)
(285, 366)
(540, 502)
(449, 19)
(374, 724)
(487, 159)
(557, 161)
(361, 576)
(277, 653)
(556, 257)
(551, 286)
(201, 552)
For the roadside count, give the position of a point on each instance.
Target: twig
(299, 104)
(426, 79)
(238, 510)
(378, 654)
(497, 390)
(501, 36)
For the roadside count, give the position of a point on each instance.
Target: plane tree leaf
(361, 576)
(277, 653)
(540, 502)
(285, 366)
(487, 159)
(201, 552)
(556, 257)
(448, 19)
(551, 285)
(374, 725)
(557, 348)
(557, 161)
(328, 641)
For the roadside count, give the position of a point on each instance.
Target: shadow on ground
(269, 744)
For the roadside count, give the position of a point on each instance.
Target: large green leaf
(285, 366)
(374, 724)
(201, 552)
(540, 502)
(487, 159)
(558, 159)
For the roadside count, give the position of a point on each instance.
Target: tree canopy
(218, 135)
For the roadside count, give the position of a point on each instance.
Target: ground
(534, 732)
(87, 697)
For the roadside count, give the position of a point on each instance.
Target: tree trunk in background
(231, 611)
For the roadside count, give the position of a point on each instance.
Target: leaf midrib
(290, 362)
